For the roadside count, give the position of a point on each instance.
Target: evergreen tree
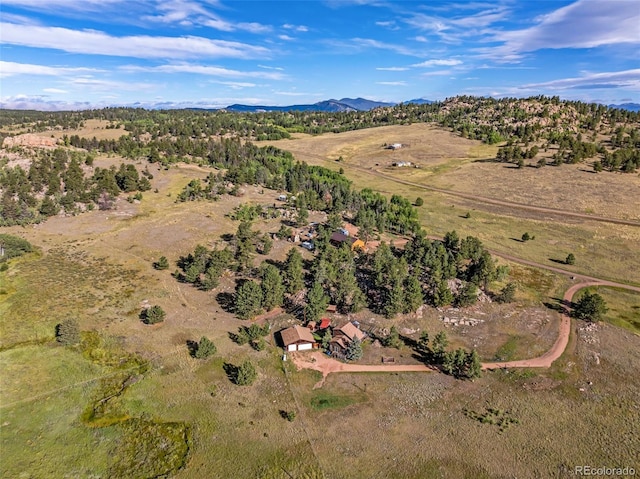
(317, 302)
(443, 295)
(162, 263)
(393, 339)
(205, 348)
(293, 271)
(49, 207)
(68, 332)
(354, 350)
(439, 346)
(571, 259)
(326, 339)
(394, 300)
(507, 294)
(248, 300)
(245, 374)
(590, 307)
(272, 287)
(413, 297)
(472, 366)
(467, 295)
(154, 314)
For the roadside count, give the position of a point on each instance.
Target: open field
(97, 267)
(601, 249)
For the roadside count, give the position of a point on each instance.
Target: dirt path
(318, 361)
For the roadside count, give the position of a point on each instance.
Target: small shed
(297, 338)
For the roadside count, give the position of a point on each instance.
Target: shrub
(419, 201)
(162, 263)
(153, 315)
(205, 348)
(571, 259)
(68, 332)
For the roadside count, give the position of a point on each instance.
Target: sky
(76, 54)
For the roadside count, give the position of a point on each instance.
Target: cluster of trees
(459, 363)
(56, 181)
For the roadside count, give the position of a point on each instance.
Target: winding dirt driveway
(318, 361)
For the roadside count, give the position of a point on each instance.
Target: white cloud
(110, 85)
(186, 12)
(204, 70)
(54, 90)
(392, 83)
(13, 68)
(94, 42)
(297, 28)
(266, 67)
(438, 63)
(237, 85)
(621, 79)
(437, 73)
(368, 42)
(583, 24)
(62, 4)
(286, 38)
(421, 39)
(392, 69)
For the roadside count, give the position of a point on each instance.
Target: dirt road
(318, 361)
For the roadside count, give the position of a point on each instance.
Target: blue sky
(61, 54)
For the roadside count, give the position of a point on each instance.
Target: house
(343, 337)
(308, 245)
(297, 338)
(400, 164)
(332, 308)
(338, 238)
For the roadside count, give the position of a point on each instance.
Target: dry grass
(97, 266)
(604, 250)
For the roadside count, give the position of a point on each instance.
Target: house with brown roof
(338, 238)
(343, 337)
(297, 338)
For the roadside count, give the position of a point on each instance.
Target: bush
(162, 263)
(205, 348)
(153, 315)
(243, 375)
(571, 259)
(68, 332)
(419, 201)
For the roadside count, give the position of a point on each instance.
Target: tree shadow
(226, 301)
(231, 371)
(519, 240)
(192, 346)
(559, 261)
(227, 237)
(558, 304)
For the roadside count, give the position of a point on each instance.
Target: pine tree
(245, 374)
(590, 307)
(162, 263)
(354, 350)
(394, 300)
(272, 287)
(507, 294)
(154, 314)
(440, 343)
(317, 302)
(205, 349)
(293, 271)
(248, 300)
(443, 295)
(473, 366)
(413, 297)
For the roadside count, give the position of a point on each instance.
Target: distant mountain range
(345, 104)
(357, 104)
(627, 106)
